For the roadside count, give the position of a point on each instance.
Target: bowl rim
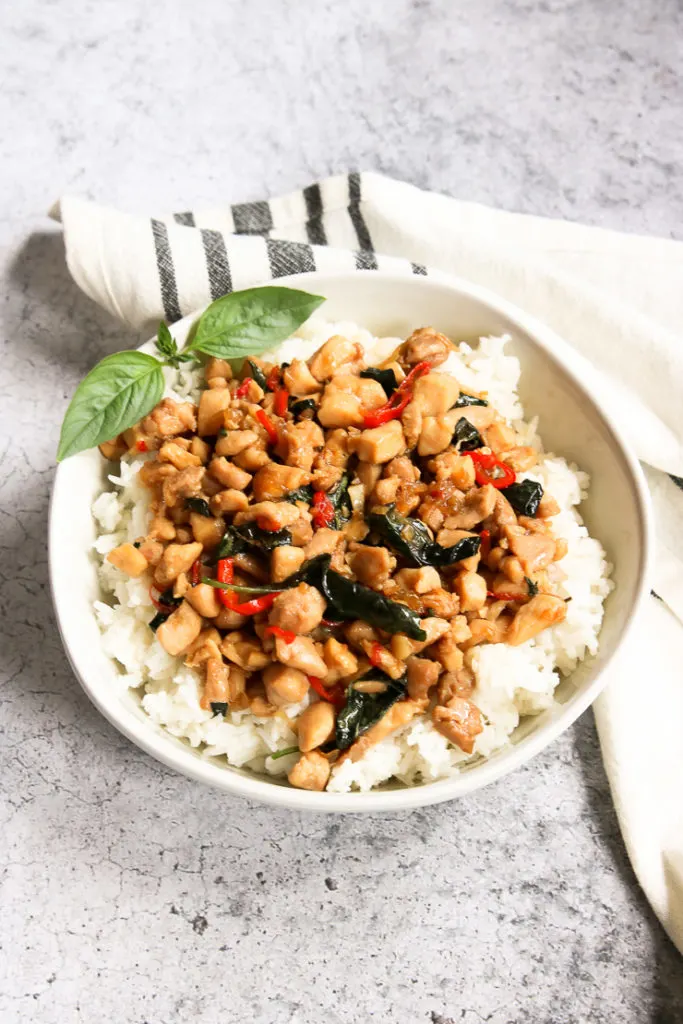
(190, 763)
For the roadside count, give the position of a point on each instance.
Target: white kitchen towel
(616, 298)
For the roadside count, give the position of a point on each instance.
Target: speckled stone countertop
(130, 894)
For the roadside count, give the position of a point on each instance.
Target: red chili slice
(195, 573)
(281, 400)
(375, 655)
(490, 470)
(243, 388)
(334, 696)
(485, 546)
(504, 596)
(323, 510)
(267, 425)
(403, 394)
(284, 634)
(273, 379)
(141, 446)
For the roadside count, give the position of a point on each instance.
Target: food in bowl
(346, 561)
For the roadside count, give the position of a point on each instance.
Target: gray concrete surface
(130, 894)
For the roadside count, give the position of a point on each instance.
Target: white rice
(510, 681)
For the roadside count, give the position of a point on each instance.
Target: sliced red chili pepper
(243, 388)
(225, 570)
(273, 379)
(403, 394)
(159, 605)
(375, 655)
(504, 596)
(141, 446)
(331, 623)
(281, 400)
(195, 573)
(323, 510)
(485, 546)
(284, 634)
(490, 470)
(258, 604)
(267, 425)
(334, 696)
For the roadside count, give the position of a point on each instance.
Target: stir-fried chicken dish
(341, 537)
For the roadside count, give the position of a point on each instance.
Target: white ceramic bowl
(571, 424)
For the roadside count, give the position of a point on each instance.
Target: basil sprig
(126, 386)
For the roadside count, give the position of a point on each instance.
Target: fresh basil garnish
(387, 378)
(365, 709)
(251, 321)
(118, 392)
(167, 347)
(525, 497)
(466, 438)
(198, 505)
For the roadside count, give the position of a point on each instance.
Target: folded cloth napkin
(617, 299)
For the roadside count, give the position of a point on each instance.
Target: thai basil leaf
(304, 493)
(231, 544)
(466, 438)
(531, 586)
(365, 709)
(354, 601)
(251, 321)
(312, 572)
(264, 540)
(525, 497)
(387, 378)
(158, 619)
(118, 392)
(219, 707)
(198, 505)
(341, 502)
(464, 400)
(412, 539)
(301, 405)
(166, 345)
(256, 373)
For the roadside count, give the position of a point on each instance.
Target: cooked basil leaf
(341, 503)
(283, 753)
(387, 378)
(168, 599)
(231, 544)
(412, 539)
(365, 709)
(251, 321)
(531, 586)
(264, 540)
(256, 373)
(301, 405)
(466, 438)
(304, 493)
(198, 505)
(157, 620)
(464, 400)
(311, 572)
(525, 496)
(354, 601)
(219, 707)
(118, 392)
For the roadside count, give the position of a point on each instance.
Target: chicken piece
(437, 432)
(435, 393)
(298, 609)
(482, 631)
(541, 612)
(369, 475)
(478, 505)
(181, 585)
(330, 463)
(178, 456)
(386, 490)
(228, 474)
(216, 684)
(315, 725)
(323, 542)
(152, 550)
(258, 703)
(535, 551)
(218, 368)
(207, 530)
(471, 590)
(300, 442)
(520, 459)
(358, 632)
(284, 685)
(235, 441)
(379, 444)
(503, 513)
(176, 558)
(244, 651)
(455, 684)
(204, 599)
(447, 648)
(335, 355)
(340, 661)
(420, 581)
(179, 630)
(447, 538)
(403, 468)
(427, 345)
(369, 392)
(272, 482)
(128, 559)
(340, 409)
(382, 658)
(502, 585)
(203, 647)
(169, 418)
(423, 674)
(303, 654)
(372, 566)
(311, 772)
(285, 560)
(186, 483)
(276, 514)
(402, 646)
(212, 406)
(114, 449)
(200, 448)
(561, 549)
(459, 469)
(237, 688)
(411, 421)
(396, 717)
(299, 380)
(161, 529)
(217, 382)
(460, 722)
(227, 619)
(480, 416)
(252, 459)
(547, 507)
(301, 531)
(441, 603)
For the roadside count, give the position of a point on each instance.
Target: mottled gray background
(130, 894)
